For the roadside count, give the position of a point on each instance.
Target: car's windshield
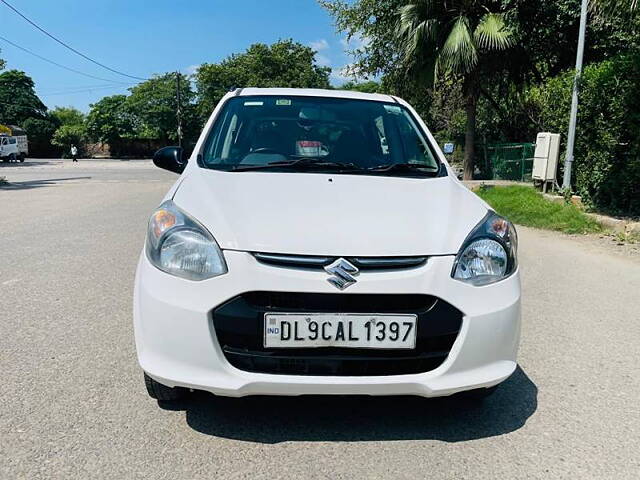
(290, 132)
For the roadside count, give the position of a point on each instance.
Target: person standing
(74, 153)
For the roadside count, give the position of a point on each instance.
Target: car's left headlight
(489, 252)
(179, 245)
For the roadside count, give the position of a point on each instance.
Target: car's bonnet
(337, 215)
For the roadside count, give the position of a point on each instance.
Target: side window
(12, 141)
(231, 133)
(220, 145)
(382, 136)
(416, 148)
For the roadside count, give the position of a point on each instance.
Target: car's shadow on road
(47, 182)
(27, 163)
(350, 419)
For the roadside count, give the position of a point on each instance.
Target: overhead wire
(86, 57)
(80, 87)
(58, 64)
(84, 90)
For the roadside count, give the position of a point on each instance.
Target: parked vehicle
(317, 242)
(14, 145)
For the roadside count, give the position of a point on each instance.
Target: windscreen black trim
(432, 148)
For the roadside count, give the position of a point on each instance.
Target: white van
(14, 144)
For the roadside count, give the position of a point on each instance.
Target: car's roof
(315, 92)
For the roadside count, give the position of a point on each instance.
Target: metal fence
(505, 161)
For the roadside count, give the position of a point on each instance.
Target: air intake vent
(318, 262)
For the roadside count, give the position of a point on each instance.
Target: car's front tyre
(161, 392)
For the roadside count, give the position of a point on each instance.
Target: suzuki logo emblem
(342, 272)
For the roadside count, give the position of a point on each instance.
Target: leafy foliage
(67, 135)
(370, 86)
(375, 20)
(153, 105)
(68, 115)
(458, 39)
(283, 64)
(40, 131)
(19, 105)
(109, 120)
(610, 8)
(18, 99)
(607, 150)
(492, 33)
(72, 129)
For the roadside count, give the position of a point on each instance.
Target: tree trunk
(471, 92)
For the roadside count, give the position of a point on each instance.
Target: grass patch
(526, 206)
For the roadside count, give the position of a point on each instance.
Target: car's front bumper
(177, 345)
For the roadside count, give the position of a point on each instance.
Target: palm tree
(612, 7)
(457, 38)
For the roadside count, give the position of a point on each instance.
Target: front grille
(239, 327)
(318, 262)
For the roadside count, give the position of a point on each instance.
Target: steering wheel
(266, 150)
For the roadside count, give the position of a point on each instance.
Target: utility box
(545, 157)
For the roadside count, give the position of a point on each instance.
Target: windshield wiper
(404, 167)
(306, 162)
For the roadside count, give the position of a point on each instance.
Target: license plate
(352, 330)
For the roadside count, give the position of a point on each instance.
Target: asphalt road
(73, 404)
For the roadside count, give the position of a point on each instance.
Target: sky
(144, 37)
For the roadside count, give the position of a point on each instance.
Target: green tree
(2, 63)
(40, 131)
(283, 64)
(68, 115)
(18, 99)
(607, 150)
(613, 7)
(67, 135)
(370, 86)
(153, 104)
(544, 43)
(19, 105)
(455, 40)
(549, 34)
(109, 120)
(423, 38)
(375, 20)
(72, 129)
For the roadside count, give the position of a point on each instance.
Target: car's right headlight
(179, 245)
(489, 253)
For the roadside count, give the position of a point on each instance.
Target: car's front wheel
(161, 392)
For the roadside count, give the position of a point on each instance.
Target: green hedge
(607, 152)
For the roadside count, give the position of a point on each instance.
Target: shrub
(606, 169)
(68, 135)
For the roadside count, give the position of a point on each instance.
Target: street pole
(571, 135)
(178, 113)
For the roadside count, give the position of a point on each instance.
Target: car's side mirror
(170, 158)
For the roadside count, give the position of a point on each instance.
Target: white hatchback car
(317, 242)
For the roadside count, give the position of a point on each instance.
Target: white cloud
(191, 69)
(343, 74)
(323, 60)
(319, 45)
(356, 42)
